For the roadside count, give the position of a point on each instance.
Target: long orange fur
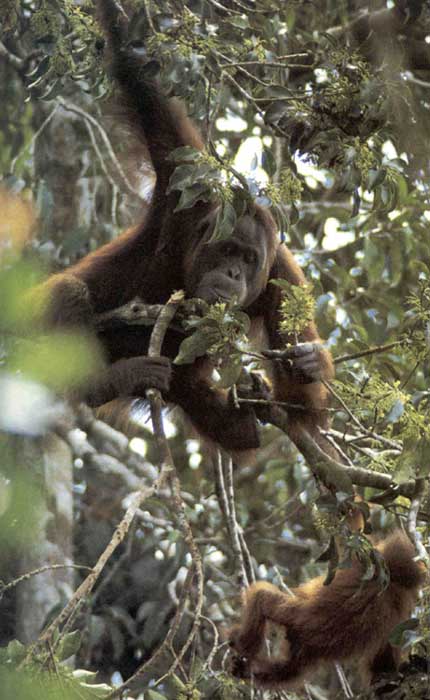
(347, 619)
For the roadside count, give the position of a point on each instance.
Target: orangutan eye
(250, 257)
(229, 249)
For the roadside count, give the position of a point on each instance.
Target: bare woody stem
(378, 349)
(154, 396)
(88, 583)
(140, 496)
(168, 478)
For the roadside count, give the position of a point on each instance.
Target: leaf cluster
(25, 675)
(385, 407)
(297, 307)
(72, 47)
(221, 333)
(346, 101)
(199, 177)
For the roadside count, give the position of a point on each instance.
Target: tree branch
(166, 476)
(332, 472)
(325, 468)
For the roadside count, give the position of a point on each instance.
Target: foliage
(221, 333)
(302, 113)
(37, 682)
(297, 307)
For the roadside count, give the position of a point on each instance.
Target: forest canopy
(318, 111)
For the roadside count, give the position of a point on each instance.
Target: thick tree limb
(137, 313)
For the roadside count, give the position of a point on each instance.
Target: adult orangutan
(173, 250)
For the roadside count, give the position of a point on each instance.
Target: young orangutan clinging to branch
(349, 618)
(173, 250)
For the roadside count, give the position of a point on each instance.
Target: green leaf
(283, 284)
(225, 222)
(81, 674)
(239, 21)
(294, 214)
(405, 467)
(356, 203)
(53, 91)
(327, 503)
(279, 91)
(16, 651)
(401, 635)
(244, 320)
(69, 645)
(290, 14)
(182, 177)
(187, 154)
(101, 690)
(229, 373)
(154, 695)
(373, 261)
(375, 178)
(402, 189)
(191, 195)
(174, 536)
(41, 68)
(195, 346)
(329, 553)
(274, 113)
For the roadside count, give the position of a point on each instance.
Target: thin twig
(87, 585)
(370, 351)
(11, 58)
(242, 70)
(88, 117)
(33, 138)
(42, 569)
(369, 433)
(148, 17)
(164, 646)
(412, 519)
(222, 9)
(168, 475)
(223, 477)
(232, 524)
(210, 657)
(329, 471)
(263, 64)
(347, 691)
(104, 168)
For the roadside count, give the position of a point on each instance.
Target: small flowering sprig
(297, 307)
(221, 333)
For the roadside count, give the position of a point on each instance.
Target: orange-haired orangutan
(173, 250)
(349, 618)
